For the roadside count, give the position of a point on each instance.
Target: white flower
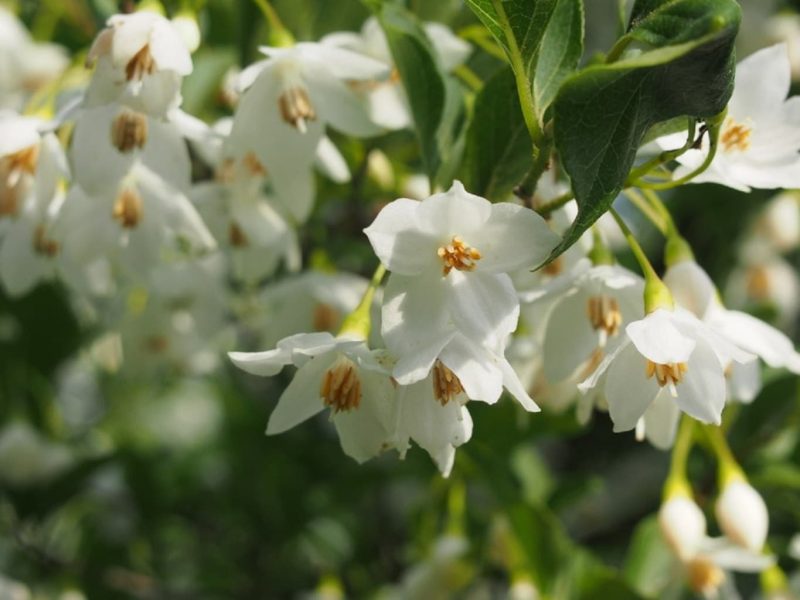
(742, 515)
(340, 373)
(134, 226)
(386, 100)
(25, 65)
(432, 412)
(765, 282)
(778, 224)
(590, 306)
(760, 137)
(704, 559)
(693, 289)
(140, 61)
(288, 100)
(108, 141)
(32, 166)
(449, 295)
(244, 220)
(668, 360)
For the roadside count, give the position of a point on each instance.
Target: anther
(129, 130)
(446, 386)
(604, 315)
(128, 208)
(140, 65)
(669, 374)
(458, 255)
(341, 387)
(296, 108)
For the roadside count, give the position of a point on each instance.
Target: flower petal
(475, 368)
(701, 392)
(483, 307)
(416, 324)
(628, 390)
(302, 399)
(513, 237)
(270, 362)
(569, 338)
(658, 338)
(399, 242)
(454, 212)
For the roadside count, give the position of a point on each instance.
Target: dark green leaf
(527, 21)
(560, 52)
(602, 113)
(498, 153)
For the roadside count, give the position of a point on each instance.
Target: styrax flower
(760, 137)
(340, 373)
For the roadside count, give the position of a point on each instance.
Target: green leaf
(561, 50)
(602, 113)
(527, 20)
(436, 105)
(498, 152)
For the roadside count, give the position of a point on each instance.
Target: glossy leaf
(560, 52)
(602, 113)
(498, 152)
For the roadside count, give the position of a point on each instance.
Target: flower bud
(742, 515)
(683, 525)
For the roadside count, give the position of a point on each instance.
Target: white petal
(454, 212)
(20, 267)
(742, 515)
(756, 336)
(475, 368)
(515, 387)
(744, 381)
(339, 105)
(569, 338)
(661, 420)
(728, 555)
(302, 399)
(628, 390)
(691, 287)
(451, 49)
(701, 392)
(168, 49)
(388, 105)
(330, 162)
(657, 338)
(288, 350)
(483, 307)
(416, 324)
(342, 63)
(399, 242)
(762, 83)
(364, 431)
(513, 237)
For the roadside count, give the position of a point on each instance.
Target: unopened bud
(742, 515)
(683, 525)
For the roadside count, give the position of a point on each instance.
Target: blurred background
(133, 470)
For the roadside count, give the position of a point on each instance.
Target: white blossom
(340, 373)
(742, 515)
(760, 137)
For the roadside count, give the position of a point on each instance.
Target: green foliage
(497, 154)
(602, 113)
(562, 48)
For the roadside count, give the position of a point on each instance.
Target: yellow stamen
(296, 108)
(237, 237)
(129, 130)
(140, 65)
(458, 255)
(446, 385)
(704, 576)
(669, 374)
(128, 208)
(735, 136)
(604, 315)
(341, 387)
(42, 244)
